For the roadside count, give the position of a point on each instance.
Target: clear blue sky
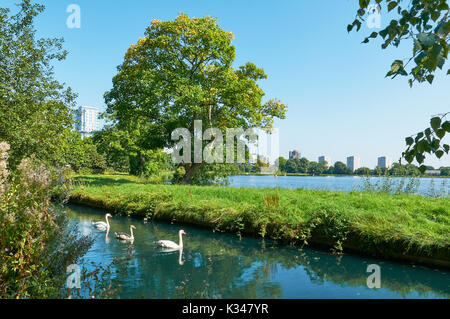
(340, 103)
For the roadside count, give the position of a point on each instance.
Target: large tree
(181, 71)
(425, 23)
(35, 116)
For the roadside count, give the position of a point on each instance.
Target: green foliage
(82, 154)
(179, 72)
(429, 141)
(425, 23)
(35, 116)
(340, 169)
(36, 242)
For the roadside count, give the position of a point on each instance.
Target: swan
(124, 236)
(171, 244)
(102, 225)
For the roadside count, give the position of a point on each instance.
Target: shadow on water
(215, 265)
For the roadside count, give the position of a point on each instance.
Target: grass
(402, 227)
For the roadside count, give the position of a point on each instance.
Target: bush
(36, 244)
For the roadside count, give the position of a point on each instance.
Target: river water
(426, 185)
(217, 265)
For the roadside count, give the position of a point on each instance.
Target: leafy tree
(445, 171)
(82, 153)
(112, 144)
(425, 23)
(35, 116)
(303, 165)
(292, 166)
(397, 169)
(282, 164)
(341, 168)
(182, 71)
(363, 171)
(316, 168)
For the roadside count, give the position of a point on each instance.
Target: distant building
(87, 118)
(433, 172)
(353, 163)
(325, 159)
(384, 162)
(294, 154)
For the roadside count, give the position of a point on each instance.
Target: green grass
(403, 227)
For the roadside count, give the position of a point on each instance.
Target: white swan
(102, 225)
(124, 236)
(171, 244)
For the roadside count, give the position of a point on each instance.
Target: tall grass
(402, 226)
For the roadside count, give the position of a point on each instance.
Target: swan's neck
(181, 240)
(131, 231)
(107, 222)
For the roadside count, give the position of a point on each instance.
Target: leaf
(427, 39)
(446, 126)
(409, 141)
(392, 5)
(430, 78)
(440, 133)
(435, 123)
(446, 147)
(439, 153)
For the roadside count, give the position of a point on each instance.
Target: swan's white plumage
(171, 244)
(167, 244)
(102, 225)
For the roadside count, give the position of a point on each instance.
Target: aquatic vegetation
(405, 227)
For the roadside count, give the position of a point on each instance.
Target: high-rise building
(353, 163)
(384, 162)
(294, 154)
(86, 120)
(325, 159)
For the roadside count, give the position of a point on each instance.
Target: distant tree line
(304, 166)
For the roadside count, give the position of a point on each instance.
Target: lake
(427, 185)
(217, 265)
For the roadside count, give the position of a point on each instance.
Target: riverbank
(401, 227)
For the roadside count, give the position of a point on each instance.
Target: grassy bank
(401, 227)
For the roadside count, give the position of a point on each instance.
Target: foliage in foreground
(397, 226)
(37, 243)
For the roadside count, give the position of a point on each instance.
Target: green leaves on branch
(426, 23)
(428, 141)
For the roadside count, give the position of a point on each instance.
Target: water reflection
(213, 265)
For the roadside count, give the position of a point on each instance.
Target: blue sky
(340, 102)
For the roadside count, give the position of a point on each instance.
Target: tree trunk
(192, 170)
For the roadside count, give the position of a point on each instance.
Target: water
(216, 265)
(332, 183)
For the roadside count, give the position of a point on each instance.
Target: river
(217, 265)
